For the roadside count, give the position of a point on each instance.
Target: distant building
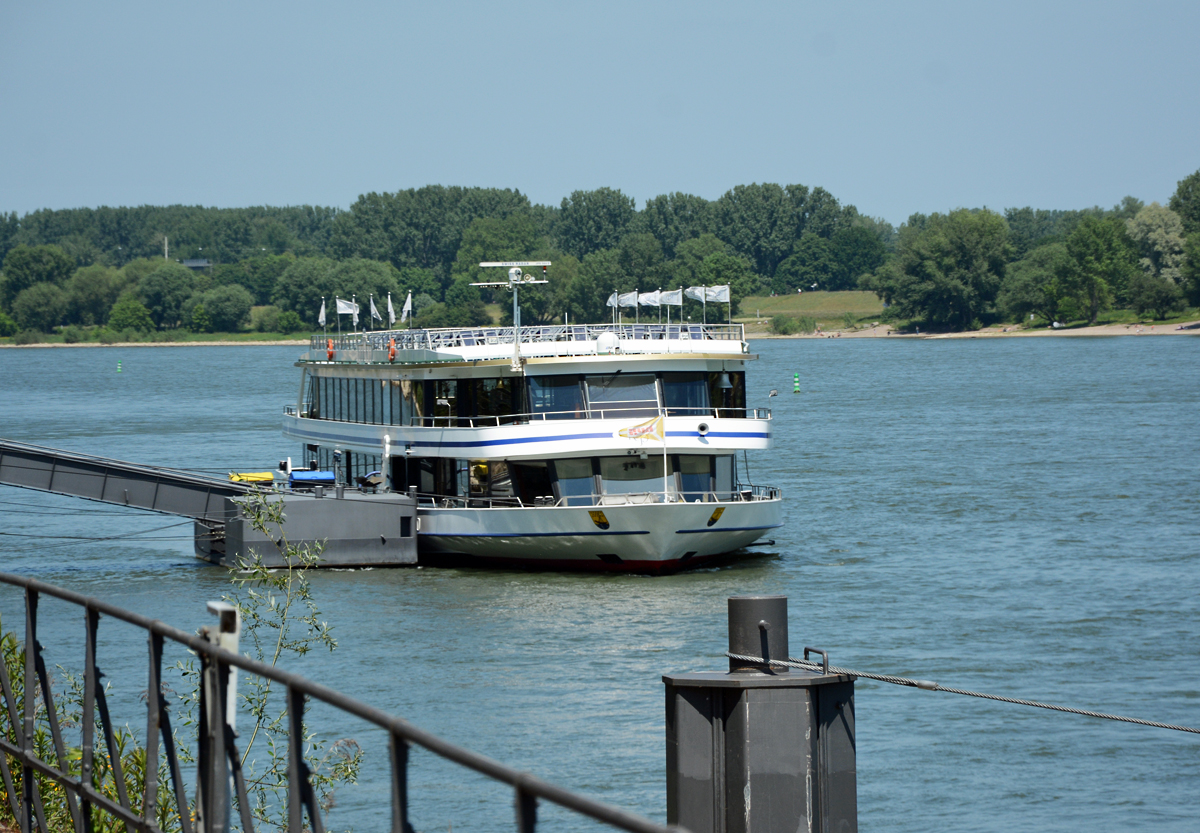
(197, 263)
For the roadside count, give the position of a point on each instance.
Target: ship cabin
(551, 416)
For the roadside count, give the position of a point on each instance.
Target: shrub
(73, 334)
(29, 337)
(785, 325)
(289, 322)
(265, 319)
(8, 327)
(106, 336)
(130, 314)
(848, 321)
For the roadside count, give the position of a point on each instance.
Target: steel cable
(927, 685)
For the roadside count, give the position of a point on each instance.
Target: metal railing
(447, 338)
(743, 493)
(218, 757)
(593, 412)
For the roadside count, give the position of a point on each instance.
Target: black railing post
(86, 763)
(526, 806)
(398, 747)
(296, 769)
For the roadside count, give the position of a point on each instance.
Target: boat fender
(392, 350)
(702, 428)
(329, 349)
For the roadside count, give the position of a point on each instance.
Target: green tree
(416, 280)
(760, 222)
(641, 258)
(684, 269)
(1152, 292)
(948, 268)
(164, 292)
(258, 274)
(128, 313)
(40, 307)
(721, 269)
(1038, 284)
(812, 266)
(1105, 261)
(302, 285)
(419, 227)
(201, 320)
(1158, 235)
(673, 219)
(510, 238)
(228, 307)
(25, 266)
(289, 322)
(599, 275)
(592, 220)
(8, 327)
(856, 250)
(1189, 270)
(91, 292)
(358, 278)
(1186, 203)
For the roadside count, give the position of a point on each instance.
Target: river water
(1020, 517)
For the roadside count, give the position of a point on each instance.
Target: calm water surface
(1016, 516)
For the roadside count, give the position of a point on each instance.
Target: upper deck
(458, 344)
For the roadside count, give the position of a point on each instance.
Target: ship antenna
(516, 278)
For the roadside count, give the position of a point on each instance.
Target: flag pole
(324, 329)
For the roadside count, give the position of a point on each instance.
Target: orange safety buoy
(329, 348)
(392, 350)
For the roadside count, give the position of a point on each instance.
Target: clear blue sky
(894, 107)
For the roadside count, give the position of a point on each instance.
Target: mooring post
(218, 709)
(761, 748)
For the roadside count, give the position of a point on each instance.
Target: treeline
(972, 267)
(112, 270)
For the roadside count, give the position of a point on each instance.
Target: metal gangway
(155, 488)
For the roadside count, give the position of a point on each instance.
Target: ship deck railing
(593, 412)
(373, 346)
(744, 493)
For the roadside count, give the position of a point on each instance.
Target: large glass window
(445, 401)
(531, 480)
(622, 395)
(686, 394)
(574, 483)
(629, 475)
(493, 399)
(556, 397)
(695, 476)
(723, 471)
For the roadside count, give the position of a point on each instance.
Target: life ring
(329, 348)
(392, 350)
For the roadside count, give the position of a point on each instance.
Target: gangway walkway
(155, 488)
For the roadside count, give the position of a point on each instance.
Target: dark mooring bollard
(761, 749)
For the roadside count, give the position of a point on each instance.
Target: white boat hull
(644, 538)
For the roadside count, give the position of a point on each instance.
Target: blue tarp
(313, 478)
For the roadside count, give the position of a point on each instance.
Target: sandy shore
(280, 343)
(1010, 331)
(880, 331)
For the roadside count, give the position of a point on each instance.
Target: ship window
(574, 483)
(532, 480)
(556, 397)
(629, 475)
(493, 399)
(723, 469)
(695, 476)
(686, 394)
(445, 401)
(414, 402)
(728, 393)
(618, 396)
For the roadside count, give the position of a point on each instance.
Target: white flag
(672, 297)
(649, 299)
(344, 307)
(612, 300)
(628, 299)
(321, 314)
(717, 293)
(696, 292)
(374, 312)
(407, 311)
(391, 311)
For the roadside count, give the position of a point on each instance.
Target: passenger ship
(593, 447)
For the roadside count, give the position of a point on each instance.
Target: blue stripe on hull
(527, 534)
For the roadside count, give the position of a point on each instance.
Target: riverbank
(1010, 331)
(879, 331)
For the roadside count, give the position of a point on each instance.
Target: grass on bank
(827, 309)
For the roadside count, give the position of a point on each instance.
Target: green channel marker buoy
(118, 367)
(795, 383)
